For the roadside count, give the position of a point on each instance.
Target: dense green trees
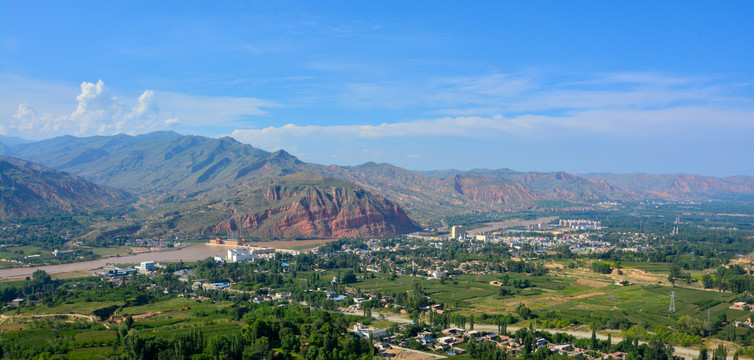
(297, 331)
(39, 286)
(524, 311)
(707, 281)
(602, 267)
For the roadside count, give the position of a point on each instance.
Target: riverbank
(189, 253)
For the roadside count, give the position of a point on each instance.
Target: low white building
(147, 266)
(57, 252)
(367, 332)
(236, 255)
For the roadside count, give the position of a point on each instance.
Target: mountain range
(28, 189)
(158, 162)
(165, 168)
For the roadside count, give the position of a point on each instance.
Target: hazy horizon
(587, 173)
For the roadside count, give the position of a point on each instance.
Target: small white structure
(367, 332)
(236, 255)
(147, 266)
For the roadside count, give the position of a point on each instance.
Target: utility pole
(708, 322)
(675, 225)
(672, 302)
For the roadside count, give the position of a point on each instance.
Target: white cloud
(644, 78)
(52, 97)
(477, 91)
(217, 111)
(36, 109)
(612, 122)
(532, 92)
(25, 117)
(277, 137)
(97, 112)
(616, 105)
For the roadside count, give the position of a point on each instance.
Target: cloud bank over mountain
(98, 112)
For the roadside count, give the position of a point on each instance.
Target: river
(189, 253)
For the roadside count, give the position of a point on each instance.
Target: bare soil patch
(590, 283)
(636, 276)
(511, 305)
(401, 354)
(584, 296)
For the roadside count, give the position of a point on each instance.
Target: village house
(425, 338)
(740, 305)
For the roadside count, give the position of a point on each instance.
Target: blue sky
(600, 86)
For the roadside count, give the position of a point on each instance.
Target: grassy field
(174, 305)
(96, 336)
(8, 264)
(92, 340)
(79, 307)
(18, 253)
(663, 268)
(644, 305)
(91, 353)
(72, 274)
(570, 297)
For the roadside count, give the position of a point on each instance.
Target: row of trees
(297, 331)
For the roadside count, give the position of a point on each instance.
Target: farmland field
(578, 299)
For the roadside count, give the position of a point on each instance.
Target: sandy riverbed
(189, 253)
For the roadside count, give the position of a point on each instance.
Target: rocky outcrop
(429, 196)
(489, 190)
(306, 205)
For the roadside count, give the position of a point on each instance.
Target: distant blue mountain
(13, 140)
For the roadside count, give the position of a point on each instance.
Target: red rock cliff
(318, 208)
